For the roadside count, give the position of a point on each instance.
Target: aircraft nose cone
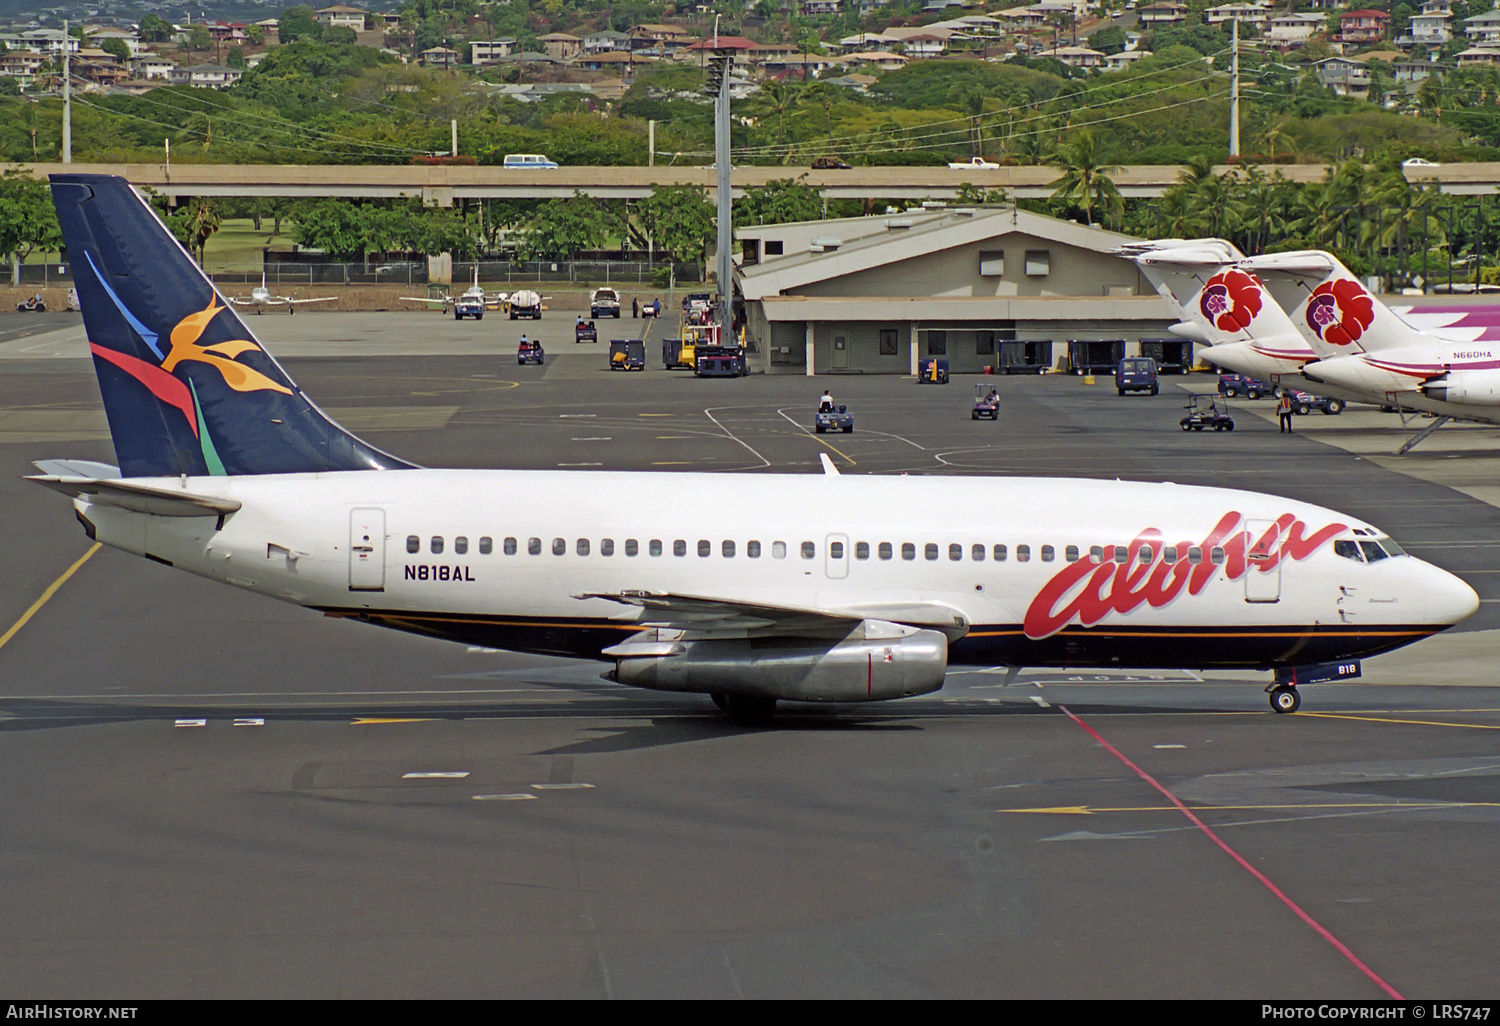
(1449, 599)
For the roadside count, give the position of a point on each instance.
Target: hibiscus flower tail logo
(1340, 311)
(1230, 300)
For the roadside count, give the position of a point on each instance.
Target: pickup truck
(604, 303)
(977, 163)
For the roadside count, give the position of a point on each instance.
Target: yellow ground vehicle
(681, 352)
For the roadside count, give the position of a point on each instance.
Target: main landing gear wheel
(1285, 699)
(749, 710)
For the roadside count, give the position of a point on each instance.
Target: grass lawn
(236, 245)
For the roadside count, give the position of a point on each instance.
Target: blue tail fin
(186, 387)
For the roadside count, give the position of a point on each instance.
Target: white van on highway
(529, 160)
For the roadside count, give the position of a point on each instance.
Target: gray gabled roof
(893, 245)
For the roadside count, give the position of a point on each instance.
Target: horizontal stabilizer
(77, 468)
(159, 502)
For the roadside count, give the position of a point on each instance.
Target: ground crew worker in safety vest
(1284, 412)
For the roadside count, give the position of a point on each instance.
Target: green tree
(338, 227)
(197, 39)
(235, 58)
(678, 219)
(1085, 182)
(116, 48)
(564, 227)
(1110, 40)
(340, 35)
(155, 29)
(28, 221)
(298, 23)
(775, 99)
(195, 223)
(778, 202)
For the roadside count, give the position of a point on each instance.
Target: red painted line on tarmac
(1301, 914)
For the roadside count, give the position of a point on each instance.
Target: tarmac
(209, 794)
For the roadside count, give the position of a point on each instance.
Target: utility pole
(67, 154)
(454, 151)
(651, 144)
(718, 87)
(1234, 92)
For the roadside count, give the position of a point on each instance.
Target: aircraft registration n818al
(819, 588)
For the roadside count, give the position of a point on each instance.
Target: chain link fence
(491, 272)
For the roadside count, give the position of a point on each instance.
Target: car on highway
(1419, 162)
(830, 164)
(978, 163)
(529, 161)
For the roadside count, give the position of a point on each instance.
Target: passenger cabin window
(1216, 555)
(908, 550)
(705, 547)
(510, 546)
(778, 550)
(655, 547)
(752, 549)
(582, 546)
(955, 553)
(460, 545)
(976, 553)
(885, 551)
(1169, 554)
(632, 547)
(1122, 554)
(861, 550)
(534, 546)
(835, 550)
(606, 546)
(1096, 553)
(930, 551)
(1048, 553)
(486, 545)
(559, 546)
(436, 545)
(1195, 555)
(413, 543)
(809, 550)
(999, 552)
(1023, 553)
(679, 547)
(727, 549)
(1071, 553)
(1146, 554)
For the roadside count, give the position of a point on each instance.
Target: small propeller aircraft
(473, 302)
(261, 296)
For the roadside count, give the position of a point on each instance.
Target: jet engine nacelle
(1480, 387)
(877, 661)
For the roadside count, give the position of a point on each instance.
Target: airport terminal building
(983, 286)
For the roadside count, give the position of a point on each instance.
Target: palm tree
(1276, 134)
(775, 97)
(971, 102)
(1085, 181)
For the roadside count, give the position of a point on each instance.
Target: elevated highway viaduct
(444, 184)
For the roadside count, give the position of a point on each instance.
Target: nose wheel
(1284, 699)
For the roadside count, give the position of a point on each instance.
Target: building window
(937, 343)
(887, 341)
(1038, 262)
(984, 343)
(773, 247)
(991, 263)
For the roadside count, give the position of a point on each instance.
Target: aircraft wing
(705, 613)
(322, 299)
(445, 300)
(239, 301)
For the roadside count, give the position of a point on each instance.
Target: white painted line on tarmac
(190, 723)
(477, 648)
(249, 721)
(1039, 700)
(1169, 746)
(435, 775)
(504, 797)
(580, 464)
(562, 787)
(566, 415)
(596, 438)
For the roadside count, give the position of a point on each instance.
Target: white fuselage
(1003, 565)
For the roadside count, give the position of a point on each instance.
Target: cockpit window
(1372, 550)
(1348, 549)
(1391, 547)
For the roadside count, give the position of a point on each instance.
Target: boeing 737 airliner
(823, 588)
